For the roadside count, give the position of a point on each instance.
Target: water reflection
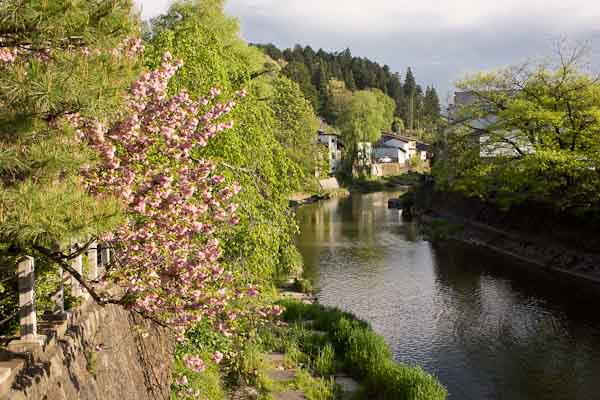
(486, 326)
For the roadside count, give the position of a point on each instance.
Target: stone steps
(348, 386)
(8, 371)
(291, 395)
(302, 297)
(278, 371)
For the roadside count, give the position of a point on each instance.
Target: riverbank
(303, 198)
(381, 184)
(315, 353)
(559, 244)
(337, 345)
(327, 189)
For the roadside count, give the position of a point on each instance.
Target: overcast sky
(441, 40)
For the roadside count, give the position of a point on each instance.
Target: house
(506, 145)
(399, 148)
(334, 147)
(424, 151)
(395, 154)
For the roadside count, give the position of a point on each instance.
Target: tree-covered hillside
(418, 108)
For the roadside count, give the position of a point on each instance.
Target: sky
(441, 40)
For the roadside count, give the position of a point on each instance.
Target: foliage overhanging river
(486, 326)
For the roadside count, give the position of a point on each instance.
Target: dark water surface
(486, 326)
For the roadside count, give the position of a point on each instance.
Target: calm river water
(487, 327)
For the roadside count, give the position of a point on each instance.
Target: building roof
(423, 146)
(384, 146)
(389, 136)
(323, 133)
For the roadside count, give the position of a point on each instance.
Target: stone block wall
(101, 353)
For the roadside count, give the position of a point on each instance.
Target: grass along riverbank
(336, 342)
(314, 353)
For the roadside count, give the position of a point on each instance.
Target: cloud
(384, 16)
(441, 40)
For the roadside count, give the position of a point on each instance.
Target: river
(487, 326)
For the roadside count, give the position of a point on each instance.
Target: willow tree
(364, 115)
(295, 125)
(261, 245)
(57, 59)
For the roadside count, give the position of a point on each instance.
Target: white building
(399, 148)
(395, 154)
(332, 141)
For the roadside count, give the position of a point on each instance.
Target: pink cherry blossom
(217, 357)
(7, 55)
(167, 252)
(194, 363)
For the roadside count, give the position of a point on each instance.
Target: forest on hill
(416, 108)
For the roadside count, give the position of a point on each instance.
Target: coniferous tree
(431, 108)
(418, 107)
(350, 82)
(321, 82)
(298, 72)
(394, 90)
(410, 87)
(357, 74)
(69, 59)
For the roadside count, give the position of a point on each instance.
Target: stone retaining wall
(555, 242)
(98, 353)
(389, 169)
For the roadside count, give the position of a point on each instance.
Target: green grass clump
(315, 388)
(303, 285)
(364, 354)
(324, 363)
(401, 382)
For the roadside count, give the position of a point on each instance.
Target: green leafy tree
(261, 245)
(296, 124)
(224, 28)
(387, 106)
(299, 73)
(363, 117)
(529, 133)
(337, 98)
(397, 125)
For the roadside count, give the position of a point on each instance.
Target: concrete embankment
(555, 242)
(329, 188)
